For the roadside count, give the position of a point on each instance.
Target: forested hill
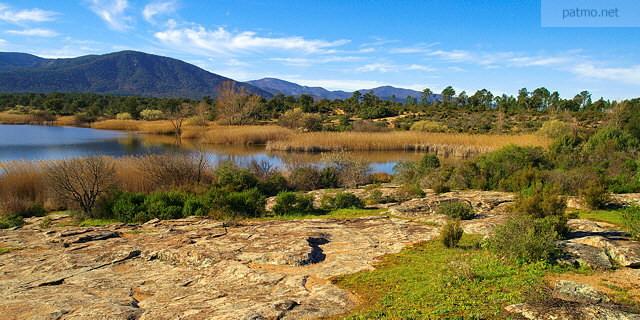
(119, 73)
(287, 88)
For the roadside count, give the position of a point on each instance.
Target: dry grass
(113, 124)
(66, 121)
(157, 127)
(239, 134)
(8, 118)
(447, 144)
(22, 184)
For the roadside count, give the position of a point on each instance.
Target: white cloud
(27, 15)
(305, 62)
(384, 68)
(34, 32)
(221, 41)
(629, 75)
(156, 8)
(236, 63)
(538, 61)
(113, 13)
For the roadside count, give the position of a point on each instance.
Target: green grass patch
(429, 281)
(9, 249)
(610, 216)
(97, 222)
(11, 221)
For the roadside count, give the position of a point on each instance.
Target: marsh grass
(115, 124)
(9, 118)
(241, 134)
(429, 281)
(21, 185)
(447, 144)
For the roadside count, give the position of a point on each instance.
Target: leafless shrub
(81, 180)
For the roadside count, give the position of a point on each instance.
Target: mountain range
(143, 74)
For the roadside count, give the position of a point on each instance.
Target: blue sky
(470, 45)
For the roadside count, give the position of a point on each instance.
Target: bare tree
(177, 115)
(235, 105)
(82, 180)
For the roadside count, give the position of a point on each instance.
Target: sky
(343, 45)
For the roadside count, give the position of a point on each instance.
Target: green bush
(456, 210)
(230, 177)
(429, 162)
(540, 202)
(329, 178)
(499, 165)
(441, 188)
(610, 139)
(406, 172)
(129, 207)
(239, 204)
(524, 239)
(631, 218)
(554, 128)
(165, 205)
(196, 206)
(288, 203)
(342, 200)
(273, 185)
(375, 197)
(451, 233)
(428, 126)
(408, 192)
(305, 178)
(594, 195)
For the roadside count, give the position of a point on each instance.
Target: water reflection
(44, 142)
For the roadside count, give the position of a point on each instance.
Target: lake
(30, 142)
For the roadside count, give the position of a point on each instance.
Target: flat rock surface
(193, 269)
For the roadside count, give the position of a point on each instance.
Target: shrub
(456, 210)
(273, 185)
(554, 128)
(524, 239)
(541, 202)
(305, 178)
(429, 162)
(520, 179)
(150, 114)
(230, 177)
(631, 218)
(501, 164)
(291, 203)
(129, 207)
(195, 206)
(408, 192)
(428, 126)
(441, 188)
(610, 139)
(342, 200)
(196, 121)
(451, 233)
(350, 170)
(329, 177)
(124, 116)
(296, 119)
(370, 126)
(381, 177)
(239, 204)
(405, 172)
(165, 205)
(594, 195)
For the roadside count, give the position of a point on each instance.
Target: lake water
(30, 142)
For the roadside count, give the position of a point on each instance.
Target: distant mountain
(276, 86)
(14, 60)
(118, 73)
(287, 88)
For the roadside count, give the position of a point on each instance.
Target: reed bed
(243, 134)
(114, 124)
(446, 144)
(22, 183)
(66, 121)
(8, 118)
(157, 127)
